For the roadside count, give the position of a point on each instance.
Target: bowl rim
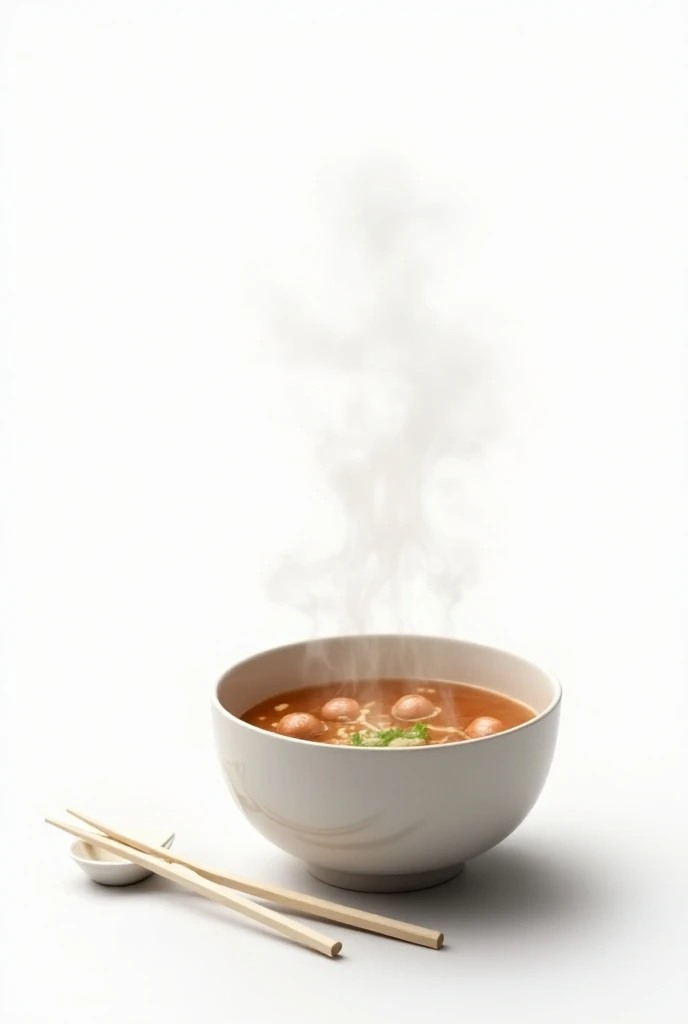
(435, 749)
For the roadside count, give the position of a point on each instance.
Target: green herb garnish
(384, 737)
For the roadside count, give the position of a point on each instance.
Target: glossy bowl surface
(385, 820)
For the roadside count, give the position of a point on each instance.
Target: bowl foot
(384, 883)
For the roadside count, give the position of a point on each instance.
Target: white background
(163, 163)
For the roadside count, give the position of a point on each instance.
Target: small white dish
(108, 869)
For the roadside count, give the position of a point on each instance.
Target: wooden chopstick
(191, 880)
(298, 901)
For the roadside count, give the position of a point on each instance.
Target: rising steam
(402, 411)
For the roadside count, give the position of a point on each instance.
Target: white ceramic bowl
(385, 820)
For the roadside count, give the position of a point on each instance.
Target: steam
(400, 403)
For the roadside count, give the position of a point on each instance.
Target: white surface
(159, 161)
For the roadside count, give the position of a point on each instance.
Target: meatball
(484, 726)
(341, 709)
(413, 707)
(301, 726)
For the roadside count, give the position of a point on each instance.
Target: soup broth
(389, 713)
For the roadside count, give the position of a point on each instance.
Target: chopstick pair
(223, 888)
